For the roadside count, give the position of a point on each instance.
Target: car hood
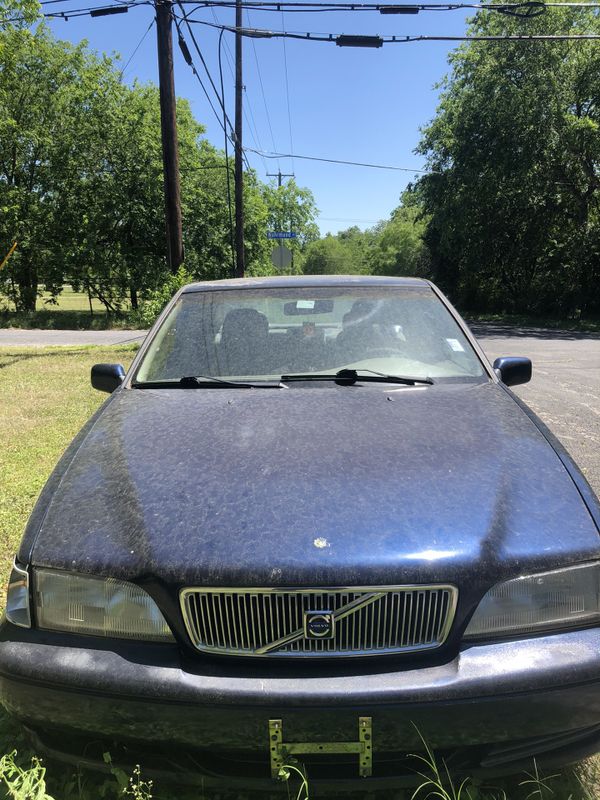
(314, 485)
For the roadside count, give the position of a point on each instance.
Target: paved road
(18, 337)
(564, 391)
(565, 388)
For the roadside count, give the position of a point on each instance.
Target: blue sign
(280, 235)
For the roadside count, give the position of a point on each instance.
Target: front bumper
(502, 702)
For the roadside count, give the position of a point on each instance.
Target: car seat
(243, 347)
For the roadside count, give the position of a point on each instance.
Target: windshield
(262, 334)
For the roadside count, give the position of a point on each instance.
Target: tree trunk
(28, 285)
(133, 297)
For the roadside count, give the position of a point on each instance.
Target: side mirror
(107, 377)
(513, 370)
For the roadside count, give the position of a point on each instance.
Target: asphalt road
(22, 337)
(565, 388)
(564, 391)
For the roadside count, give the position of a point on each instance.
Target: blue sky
(344, 103)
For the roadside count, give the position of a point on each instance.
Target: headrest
(242, 322)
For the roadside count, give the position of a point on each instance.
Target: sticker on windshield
(456, 345)
(305, 304)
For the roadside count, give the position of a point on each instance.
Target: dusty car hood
(319, 486)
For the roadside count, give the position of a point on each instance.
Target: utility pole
(279, 175)
(168, 124)
(239, 172)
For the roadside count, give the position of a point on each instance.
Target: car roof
(299, 281)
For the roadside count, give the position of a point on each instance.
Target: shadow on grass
(522, 325)
(56, 319)
(9, 359)
(484, 330)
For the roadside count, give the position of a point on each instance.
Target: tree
(514, 152)
(18, 13)
(392, 247)
(292, 208)
(81, 182)
(398, 247)
(326, 256)
(49, 92)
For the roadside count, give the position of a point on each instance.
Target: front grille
(362, 621)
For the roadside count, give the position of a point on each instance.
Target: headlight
(17, 598)
(563, 598)
(96, 606)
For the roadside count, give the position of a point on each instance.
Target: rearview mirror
(513, 370)
(300, 308)
(107, 377)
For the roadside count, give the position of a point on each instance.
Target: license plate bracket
(281, 751)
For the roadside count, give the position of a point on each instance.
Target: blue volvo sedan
(311, 522)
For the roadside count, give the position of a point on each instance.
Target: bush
(156, 300)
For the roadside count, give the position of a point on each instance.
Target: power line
(251, 122)
(287, 91)
(340, 161)
(228, 53)
(231, 231)
(139, 44)
(348, 219)
(344, 40)
(224, 122)
(273, 5)
(127, 3)
(262, 89)
(220, 96)
(67, 14)
(253, 127)
(189, 61)
(204, 64)
(385, 8)
(72, 13)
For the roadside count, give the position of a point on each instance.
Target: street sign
(281, 257)
(281, 235)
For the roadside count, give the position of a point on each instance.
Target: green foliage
(157, 299)
(44, 87)
(328, 256)
(81, 182)
(291, 208)
(438, 782)
(20, 783)
(514, 149)
(130, 785)
(398, 248)
(393, 247)
(18, 13)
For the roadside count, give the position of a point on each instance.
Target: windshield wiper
(207, 382)
(347, 377)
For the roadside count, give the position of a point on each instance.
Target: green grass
(70, 300)
(71, 311)
(67, 300)
(45, 397)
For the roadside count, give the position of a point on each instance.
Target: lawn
(45, 397)
(67, 300)
(71, 311)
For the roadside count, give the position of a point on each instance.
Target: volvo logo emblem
(319, 625)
